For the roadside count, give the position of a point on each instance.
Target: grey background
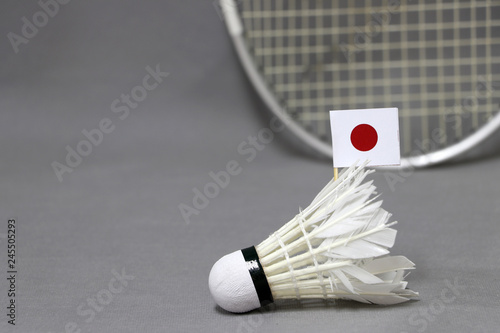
(119, 209)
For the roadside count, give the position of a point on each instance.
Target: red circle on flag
(364, 137)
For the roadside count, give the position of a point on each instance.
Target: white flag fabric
(366, 134)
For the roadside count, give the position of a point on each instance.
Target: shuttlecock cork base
(336, 248)
(238, 283)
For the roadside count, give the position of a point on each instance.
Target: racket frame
(236, 31)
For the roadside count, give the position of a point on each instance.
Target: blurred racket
(437, 61)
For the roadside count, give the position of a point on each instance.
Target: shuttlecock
(337, 248)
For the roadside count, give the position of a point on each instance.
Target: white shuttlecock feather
(336, 248)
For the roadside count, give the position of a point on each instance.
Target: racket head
(436, 62)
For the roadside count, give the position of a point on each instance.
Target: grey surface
(119, 209)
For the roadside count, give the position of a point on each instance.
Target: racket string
(427, 58)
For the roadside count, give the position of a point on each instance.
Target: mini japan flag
(367, 134)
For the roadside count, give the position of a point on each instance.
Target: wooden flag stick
(335, 173)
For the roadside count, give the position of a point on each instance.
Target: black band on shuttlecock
(258, 277)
